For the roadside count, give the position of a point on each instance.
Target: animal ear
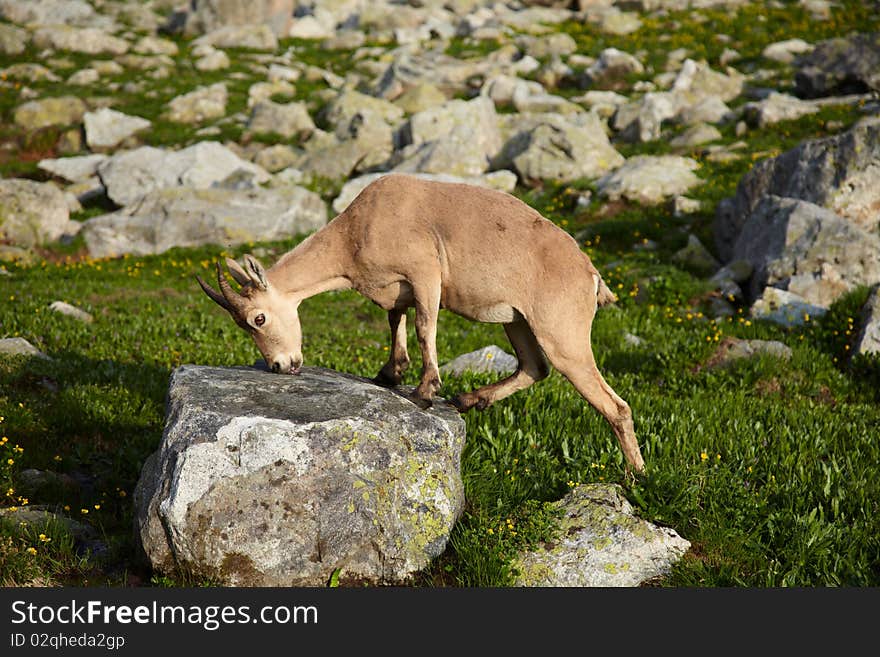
(256, 272)
(238, 273)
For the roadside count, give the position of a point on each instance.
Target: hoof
(385, 381)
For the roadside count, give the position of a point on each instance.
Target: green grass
(769, 468)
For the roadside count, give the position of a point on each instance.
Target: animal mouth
(294, 369)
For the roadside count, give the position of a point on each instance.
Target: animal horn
(214, 294)
(233, 298)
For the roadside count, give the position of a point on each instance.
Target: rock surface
(650, 179)
(183, 216)
(601, 543)
(19, 347)
(107, 128)
(31, 213)
(269, 480)
(492, 359)
(868, 340)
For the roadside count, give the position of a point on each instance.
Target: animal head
(263, 311)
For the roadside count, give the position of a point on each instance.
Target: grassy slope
(768, 468)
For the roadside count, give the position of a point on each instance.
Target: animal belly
(501, 313)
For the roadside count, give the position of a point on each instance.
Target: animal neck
(316, 265)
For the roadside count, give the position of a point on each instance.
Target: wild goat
(483, 254)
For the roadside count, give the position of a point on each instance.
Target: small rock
(60, 111)
(775, 108)
(73, 169)
(285, 119)
(650, 179)
(13, 40)
(491, 359)
(253, 37)
(65, 308)
(275, 158)
(683, 206)
(785, 52)
(199, 105)
(31, 213)
(696, 257)
(733, 349)
(696, 135)
(601, 543)
(19, 347)
(785, 308)
(213, 61)
(107, 128)
(868, 341)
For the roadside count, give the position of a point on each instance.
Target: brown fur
(483, 254)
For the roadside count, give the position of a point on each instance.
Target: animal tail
(604, 296)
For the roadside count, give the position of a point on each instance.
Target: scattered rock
(31, 213)
(785, 308)
(601, 543)
(187, 217)
(786, 51)
(151, 45)
(650, 179)
(694, 256)
(488, 360)
(420, 98)
(88, 40)
(868, 340)
(731, 350)
(13, 40)
(806, 249)
(128, 176)
(696, 135)
(64, 308)
(839, 173)
(775, 108)
(199, 105)
(107, 128)
(19, 347)
(611, 69)
(311, 475)
(275, 158)
(208, 15)
(845, 65)
(73, 169)
(213, 60)
(284, 119)
(45, 112)
(252, 37)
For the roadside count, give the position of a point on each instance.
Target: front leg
(391, 373)
(427, 302)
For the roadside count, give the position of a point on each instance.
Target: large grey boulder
(840, 66)
(270, 480)
(650, 179)
(558, 147)
(805, 249)
(601, 543)
(31, 213)
(128, 176)
(186, 217)
(488, 360)
(839, 173)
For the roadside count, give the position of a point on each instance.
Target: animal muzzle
(291, 367)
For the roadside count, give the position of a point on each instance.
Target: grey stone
(611, 68)
(285, 119)
(253, 37)
(733, 349)
(420, 97)
(260, 91)
(488, 360)
(559, 147)
(269, 480)
(31, 213)
(775, 108)
(696, 257)
(348, 104)
(699, 80)
(601, 543)
(786, 51)
(214, 60)
(650, 179)
(86, 40)
(30, 72)
(806, 249)
(839, 173)
(46, 112)
(275, 158)
(64, 308)
(106, 128)
(13, 40)
(19, 347)
(696, 135)
(203, 16)
(129, 175)
(73, 169)
(47, 12)
(151, 45)
(556, 43)
(186, 217)
(437, 122)
(199, 105)
(868, 340)
(843, 65)
(785, 308)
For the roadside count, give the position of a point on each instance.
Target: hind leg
(532, 367)
(573, 357)
(398, 358)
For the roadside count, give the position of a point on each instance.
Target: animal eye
(260, 319)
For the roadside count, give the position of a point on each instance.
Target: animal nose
(276, 367)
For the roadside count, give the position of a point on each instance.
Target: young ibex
(480, 253)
